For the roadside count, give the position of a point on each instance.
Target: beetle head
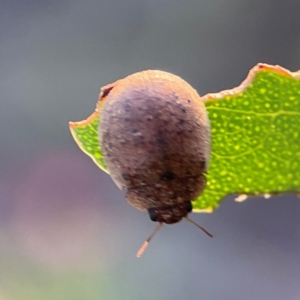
(170, 214)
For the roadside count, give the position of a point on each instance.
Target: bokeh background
(66, 232)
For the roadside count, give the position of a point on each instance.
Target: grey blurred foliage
(66, 231)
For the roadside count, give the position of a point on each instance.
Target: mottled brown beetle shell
(155, 136)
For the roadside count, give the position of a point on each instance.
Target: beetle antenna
(144, 246)
(200, 227)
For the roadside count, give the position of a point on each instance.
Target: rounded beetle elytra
(155, 137)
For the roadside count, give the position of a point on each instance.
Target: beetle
(155, 137)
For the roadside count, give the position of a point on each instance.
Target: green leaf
(255, 137)
(85, 134)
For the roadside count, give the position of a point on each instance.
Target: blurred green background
(66, 231)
